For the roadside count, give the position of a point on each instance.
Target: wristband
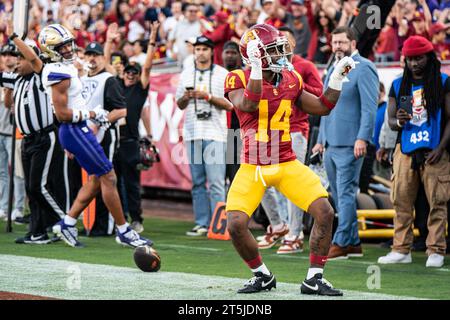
(252, 96)
(75, 115)
(398, 124)
(330, 105)
(85, 115)
(208, 97)
(13, 36)
(256, 73)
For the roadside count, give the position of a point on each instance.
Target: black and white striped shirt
(32, 108)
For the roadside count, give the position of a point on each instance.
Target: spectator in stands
(386, 45)
(297, 21)
(185, 29)
(345, 134)
(222, 32)
(169, 23)
(421, 152)
(139, 52)
(438, 35)
(272, 13)
(322, 47)
(201, 92)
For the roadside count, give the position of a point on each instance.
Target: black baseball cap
(94, 47)
(202, 40)
(133, 66)
(10, 49)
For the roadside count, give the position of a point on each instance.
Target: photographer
(201, 92)
(419, 109)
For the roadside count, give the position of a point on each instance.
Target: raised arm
(253, 91)
(145, 75)
(326, 102)
(111, 35)
(27, 52)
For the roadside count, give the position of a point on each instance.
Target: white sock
(313, 271)
(262, 268)
(290, 237)
(123, 227)
(278, 227)
(69, 220)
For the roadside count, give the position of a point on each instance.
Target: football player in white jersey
(60, 78)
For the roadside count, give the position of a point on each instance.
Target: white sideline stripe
(162, 245)
(54, 278)
(331, 261)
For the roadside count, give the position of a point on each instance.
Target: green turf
(181, 253)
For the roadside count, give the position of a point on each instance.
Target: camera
(203, 115)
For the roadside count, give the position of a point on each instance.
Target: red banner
(167, 123)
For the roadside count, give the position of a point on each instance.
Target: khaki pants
(405, 183)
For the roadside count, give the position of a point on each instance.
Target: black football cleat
(259, 283)
(320, 286)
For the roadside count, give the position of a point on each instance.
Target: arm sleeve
(7, 79)
(113, 95)
(369, 98)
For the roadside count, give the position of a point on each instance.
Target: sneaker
(258, 283)
(395, 257)
(132, 239)
(291, 246)
(435, 260)
(354, 251)
(271, 237)
(320, 286)
(16, 214)
(337, 253)
(198, 231)
(23, 220)
(137, 226)
(34, 239)
(67, 233)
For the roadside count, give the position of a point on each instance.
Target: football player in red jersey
(264, 98)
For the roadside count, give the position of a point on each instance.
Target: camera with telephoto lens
(203, 115)
(148, 154)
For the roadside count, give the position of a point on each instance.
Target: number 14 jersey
(266, 132)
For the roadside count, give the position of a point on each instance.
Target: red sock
(254, 263)
(318, 260)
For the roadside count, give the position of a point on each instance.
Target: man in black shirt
(135, 84)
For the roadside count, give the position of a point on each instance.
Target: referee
(41, 153)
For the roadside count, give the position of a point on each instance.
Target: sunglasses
(134, 72)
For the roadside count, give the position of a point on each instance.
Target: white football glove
(342, 68)
(254, 57)
(101, 117)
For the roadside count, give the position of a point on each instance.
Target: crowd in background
(311, 20)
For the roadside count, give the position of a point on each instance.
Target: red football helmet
(274, 46)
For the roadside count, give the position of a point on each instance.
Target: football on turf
(147, 259)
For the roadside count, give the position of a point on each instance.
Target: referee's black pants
(104, 222)
(125, 164)
(43, 161)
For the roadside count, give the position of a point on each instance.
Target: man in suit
(344, 135)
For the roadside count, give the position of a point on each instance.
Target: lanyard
(209, 89)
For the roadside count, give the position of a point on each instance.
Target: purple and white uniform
(76, 138)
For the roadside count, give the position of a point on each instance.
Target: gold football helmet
(52, 38)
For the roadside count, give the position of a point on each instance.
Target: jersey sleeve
(299, 81)
(234, 80)
(55, 73)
